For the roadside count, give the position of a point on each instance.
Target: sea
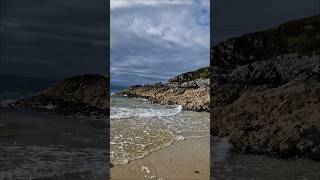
(14, 87)
(40, 145)
(138, 127)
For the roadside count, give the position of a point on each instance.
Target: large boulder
(282, 121)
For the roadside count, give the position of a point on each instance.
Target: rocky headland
(83, 95)
(190, 90)
(264, 89)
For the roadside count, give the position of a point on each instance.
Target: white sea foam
(139, 128)
(123, 112)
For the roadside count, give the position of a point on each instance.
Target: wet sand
(187, 159)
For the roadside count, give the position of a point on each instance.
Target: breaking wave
(125, 112)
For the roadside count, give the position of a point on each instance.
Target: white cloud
(158, 39)
(114, 4)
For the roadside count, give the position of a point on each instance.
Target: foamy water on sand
(139, 128)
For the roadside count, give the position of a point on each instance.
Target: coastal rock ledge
(266, 91)
(264, 88)
(84, 95)
(190, 90)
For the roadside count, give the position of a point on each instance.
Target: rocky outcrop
(79, 95)
(265, 90)
(294, 37)
(268, 114)
(203, 73)
(190, 90)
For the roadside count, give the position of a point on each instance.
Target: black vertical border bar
(1, 45)
(1, 66)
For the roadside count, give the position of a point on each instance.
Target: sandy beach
(184, 159)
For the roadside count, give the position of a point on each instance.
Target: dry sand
(187, 159)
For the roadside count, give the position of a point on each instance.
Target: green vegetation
(203, 73)
(200, 73)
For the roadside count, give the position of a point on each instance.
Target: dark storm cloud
(50, 38)
(236, 17)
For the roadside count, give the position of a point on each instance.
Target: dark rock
(185, 90)
(300, 36)
(282, 121)
(265, 90)
(79, 95)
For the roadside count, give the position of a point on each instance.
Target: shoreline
(191, 95)
(170, 162)
(145, 155)
(181, 158)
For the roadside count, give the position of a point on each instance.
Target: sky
(54, 38)
(233, 18)
(153, 40)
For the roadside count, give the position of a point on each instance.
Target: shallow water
(226, 165)
(138, 128)
(39, 144)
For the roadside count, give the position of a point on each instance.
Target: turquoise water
(116, 88)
